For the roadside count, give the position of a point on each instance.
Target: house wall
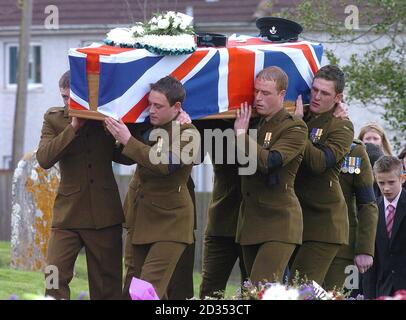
(54, 62)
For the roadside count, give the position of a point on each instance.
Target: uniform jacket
(226, 195)
(362, 209)
(317, 184)
(158, 206)
(226, 199)
(270, 210)
(87, 196)
(388, 273)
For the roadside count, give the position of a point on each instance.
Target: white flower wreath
(169, 33)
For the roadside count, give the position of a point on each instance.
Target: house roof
(99, 14)
(102, 12)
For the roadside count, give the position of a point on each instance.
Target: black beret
(278, 29)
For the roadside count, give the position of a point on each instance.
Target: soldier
(158, 206)
(270, 219)
(87, 210)
(356, 180)
(325, 218)
(220, 249)
(181, 284)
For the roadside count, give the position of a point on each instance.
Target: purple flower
(82, 295)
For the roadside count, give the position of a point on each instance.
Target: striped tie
(390, 213)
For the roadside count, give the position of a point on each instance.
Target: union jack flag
(216, 79)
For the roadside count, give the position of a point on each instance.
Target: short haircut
(171, 88)
(332, 73)
(276, 74)
(388, 164)
(64, 81)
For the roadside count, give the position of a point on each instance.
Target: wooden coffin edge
(93, 114)
(231, 114)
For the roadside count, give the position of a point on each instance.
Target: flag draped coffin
(115, 82)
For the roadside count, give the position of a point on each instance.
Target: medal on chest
(267, 140)
(315, 134)
(159, 146)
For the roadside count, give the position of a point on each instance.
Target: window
(34, 64)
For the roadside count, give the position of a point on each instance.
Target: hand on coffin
(242, 120)
(118, 129)
(183, 117)
(299, 107)
(363, 262)
(341, 111)
(77, 123)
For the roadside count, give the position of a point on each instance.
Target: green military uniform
(181, 285)
(87, 210)
(158, 206)
(220, 251)
(270, 219)
(325, 219)
(356, 180)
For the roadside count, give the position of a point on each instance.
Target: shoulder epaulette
(55, 109)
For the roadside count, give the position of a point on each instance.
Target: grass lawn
(22, 282)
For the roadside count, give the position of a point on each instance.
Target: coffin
(112, 81)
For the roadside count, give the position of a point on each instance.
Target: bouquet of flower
(170, 33)
(277, 291)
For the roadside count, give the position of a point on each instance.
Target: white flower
(154, 20)
(186, 20)
(153, 27)
(280, 292)
(183, 26)
(138, 29)
(121, 35)
(171, 14)
(166, 42)
(163, 24)
(176, 22)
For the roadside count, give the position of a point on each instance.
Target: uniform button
(393, 271)
(89, 165)
(91, 180)
(248, 194)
